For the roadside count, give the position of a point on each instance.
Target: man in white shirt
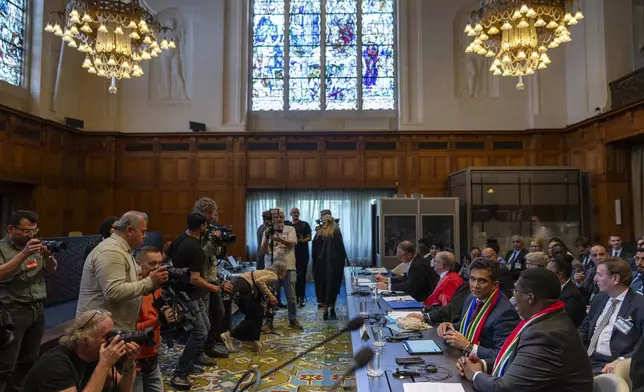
(278, 244)
(615, 320)
(616, 247)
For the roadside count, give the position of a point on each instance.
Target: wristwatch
(468, 349)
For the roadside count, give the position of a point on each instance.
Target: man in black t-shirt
(84, 360)
(303, 232)
(186, 252)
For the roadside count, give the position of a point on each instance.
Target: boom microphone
(360, 360)
(353, 325)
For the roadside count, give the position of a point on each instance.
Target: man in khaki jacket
(110, 278)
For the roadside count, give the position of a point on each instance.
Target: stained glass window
(330, 54)
(12, 31)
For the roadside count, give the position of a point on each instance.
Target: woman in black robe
(328, 264)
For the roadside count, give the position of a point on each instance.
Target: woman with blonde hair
(329, 255)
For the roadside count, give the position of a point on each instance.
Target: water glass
(373, 370)
(374, 292)
(364, 309)
(378, 336)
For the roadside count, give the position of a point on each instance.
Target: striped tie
(598, 331)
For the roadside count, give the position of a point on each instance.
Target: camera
(180, 275)
(185, 317)
(227, 236)
(319, 221)
(6, 327)
(142, 338)
(54, 246)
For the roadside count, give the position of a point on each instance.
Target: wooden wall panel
(303, 170)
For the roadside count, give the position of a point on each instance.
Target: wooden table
(446, 362)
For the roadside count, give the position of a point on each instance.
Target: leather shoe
(214, 353)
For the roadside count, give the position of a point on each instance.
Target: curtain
(352, 207)
(637, 185)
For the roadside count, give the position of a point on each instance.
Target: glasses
(28, 231)
(90, 320)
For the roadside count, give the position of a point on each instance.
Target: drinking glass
(378, 336)
(374, 292)
(373, 369)
(364, 309)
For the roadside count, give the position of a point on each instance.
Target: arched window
(12, 35)
(323, 55)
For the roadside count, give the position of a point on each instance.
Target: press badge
(31, 264)
(624, 326)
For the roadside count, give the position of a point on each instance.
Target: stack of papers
(376, 270)
(432, 387)
(399, 314)
(399, 298)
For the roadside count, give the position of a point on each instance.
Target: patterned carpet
(317, 371)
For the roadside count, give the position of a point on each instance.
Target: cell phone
(409, 360)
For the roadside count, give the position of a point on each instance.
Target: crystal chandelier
(518, 33)
(115, 35)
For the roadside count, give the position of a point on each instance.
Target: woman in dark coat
(328, 264)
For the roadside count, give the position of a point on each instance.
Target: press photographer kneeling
(186, 252)
(85, 359)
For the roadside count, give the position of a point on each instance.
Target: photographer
(85, 361)
(303, 231)
(253, 291)
(110, 279)
(148, 377)
(186, 252)
(267, 219)
(279, 243)
(23, 261)
(215, 249)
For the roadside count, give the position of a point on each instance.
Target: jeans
(289, 288)
(149, 382)
(196, 339)
(217, 315)
(17, 359)
(302, 265)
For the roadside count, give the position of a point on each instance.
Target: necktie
(514, 255)
(603, 323)
(477, 308)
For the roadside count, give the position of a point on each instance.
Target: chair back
(609, 383)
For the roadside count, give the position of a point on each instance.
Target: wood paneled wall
(80, 178)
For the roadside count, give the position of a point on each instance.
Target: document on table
(376, 270)
(364, 281)
(432, 387)
(399, 314)
(399, 298)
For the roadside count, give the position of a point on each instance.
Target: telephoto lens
(142, 338)
(54, 246)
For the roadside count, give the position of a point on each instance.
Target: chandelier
(115, 35)
(518, 33)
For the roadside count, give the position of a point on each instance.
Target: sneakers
(229, 341)
(295, 325)
(181, 382)
(205, 360)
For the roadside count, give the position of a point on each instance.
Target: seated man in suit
(542, 353)
(638, 281)
(420, 279)
(487, 317)
(617, 250)
(449, 282)
(586, 280)
(615, 320)
(570, 294)
(583, 246)
(516, 257)
(506, 283)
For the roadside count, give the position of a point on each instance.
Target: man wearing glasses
(110, 278)
(23, 261)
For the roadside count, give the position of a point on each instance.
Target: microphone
(353, 325)
(360, 360)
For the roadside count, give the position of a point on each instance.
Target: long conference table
(445, 362)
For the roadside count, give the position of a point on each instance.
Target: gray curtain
(637, 184)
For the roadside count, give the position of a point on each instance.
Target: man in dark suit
(616, 248)
(586, 280)
(583, 246)
(496, 324)
(515, 258)
(420, 279)
(616, 317)
(637, 285)
(570, 293)
(547, 355)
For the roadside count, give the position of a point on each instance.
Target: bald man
(586, 280)
(506, 281)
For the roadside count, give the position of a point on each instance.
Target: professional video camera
(54, 246)
(6, 328)
(185, 317)
(319, 221)
(227, 236)
(142, 338)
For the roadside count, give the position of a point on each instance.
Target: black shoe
(301, 302)
(295, 325)
(212, 352)
(325, 316)
(196, 370)
(320, 306)
(181, 382)
(281, 305)
(332, 315)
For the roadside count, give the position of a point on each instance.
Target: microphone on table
(353, 325)
(360, 360)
